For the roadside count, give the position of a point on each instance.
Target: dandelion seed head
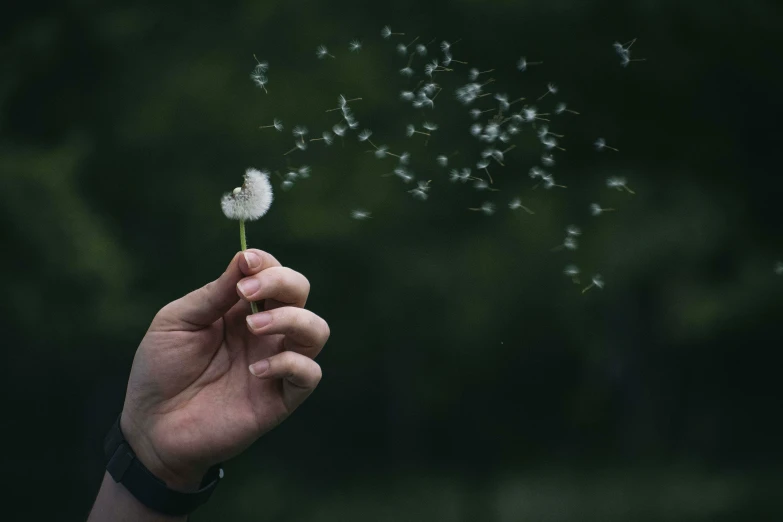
(515, 204)
(404, 158)
(600, 144)
(482, 163)
(560, 108)
(364, 135)
(381, 151)
(402, 49)
(536, 172)
(386, 31)
(573, 230)
(252, 200)
(598, 281)
(407, 71)
(595, 209)
(616, 182)
(487, 208)
(299, 131)
(571, 271)
(476, 129)
(473, 74)
(421, 49)
(522, 64)
(287, 184)
(278, 125)
(442, 160)
(779, 268)
(551, 88)
(403, 174)
(429, 126)
(303, 171)
(481, 184)
(355, 46)
(339, 129)
(327, 137)
(407, 95)
(570, 243)
(410, 130)
(301, 145)
(445, 46)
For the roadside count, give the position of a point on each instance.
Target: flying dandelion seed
(442, 160)
(597, 282)
(523, 64)
(547, 160)
(550, 89)
(561, 107)
(386, 32)
(618, 183)
(276, 124)
(421, 191)
(248, 203)
(596, 210)
(322, 52)
(516, 204)
(600, 145)
(355, 46)
(486, 208)
(360, 215)
(572, 271)
(779, 268)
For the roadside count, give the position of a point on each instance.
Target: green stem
(243, 244)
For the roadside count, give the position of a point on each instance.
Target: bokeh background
(467, 379)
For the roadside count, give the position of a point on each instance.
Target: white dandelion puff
(442, 160)
(364, 135)
(561, 107)
(250, 201)
(355, 46)
(573, 230)
(551, 88)
(547, 160)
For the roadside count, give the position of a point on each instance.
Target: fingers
(300, 375)
(206, 305)
(277, 283)
(304, 331)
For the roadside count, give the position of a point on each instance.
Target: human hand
(208, 379)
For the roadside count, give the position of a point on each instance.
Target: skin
(208, 379)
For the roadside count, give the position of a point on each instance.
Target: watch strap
(126, 469)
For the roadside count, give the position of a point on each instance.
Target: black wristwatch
(126, 469)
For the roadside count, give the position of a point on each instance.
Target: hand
(208, 378)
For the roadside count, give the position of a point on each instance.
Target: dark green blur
(466, 379)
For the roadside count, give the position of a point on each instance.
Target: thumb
(204, 306)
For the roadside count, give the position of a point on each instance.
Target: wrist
(183, 478)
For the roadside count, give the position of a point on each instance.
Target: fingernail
(253, 260)
(259, 368)
(258, 321)
(248, 286)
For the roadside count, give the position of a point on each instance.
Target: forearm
(116, 504)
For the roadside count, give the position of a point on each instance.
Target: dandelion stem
(243, 245)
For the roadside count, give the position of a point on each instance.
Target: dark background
(466, 379)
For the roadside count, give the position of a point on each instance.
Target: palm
(205, 402)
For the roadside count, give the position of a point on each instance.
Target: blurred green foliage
(466, 377)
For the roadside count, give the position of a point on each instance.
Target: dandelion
(442, 160)
(569, 243)
(572, 271)
(561, 107)
(322, 52)
(300, 131)
(547, 160)
(531, 114)
(474, 73)
(407, 95)
(549, 182)
(303, 171)
(626, 59)
(551, 88)
(596, 210)
(597, 282)
(483, 164)
(573, 231)
(355, 46)
(550, 142)
(259, 79)
(386, 32)
(403, 174)
(365, 135)
(421, 191)
(430, 126)
(407, 71)
(523, 64)
(410, 130)
(339, 129)
(516, 203)
(486, 208)
(421, 49)
(360, 215)
(248, 203)
(404, 158)
(619, 183)
(624, 51)
(600, 145)
(277, 124)
(326, 137)
(381, 152)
